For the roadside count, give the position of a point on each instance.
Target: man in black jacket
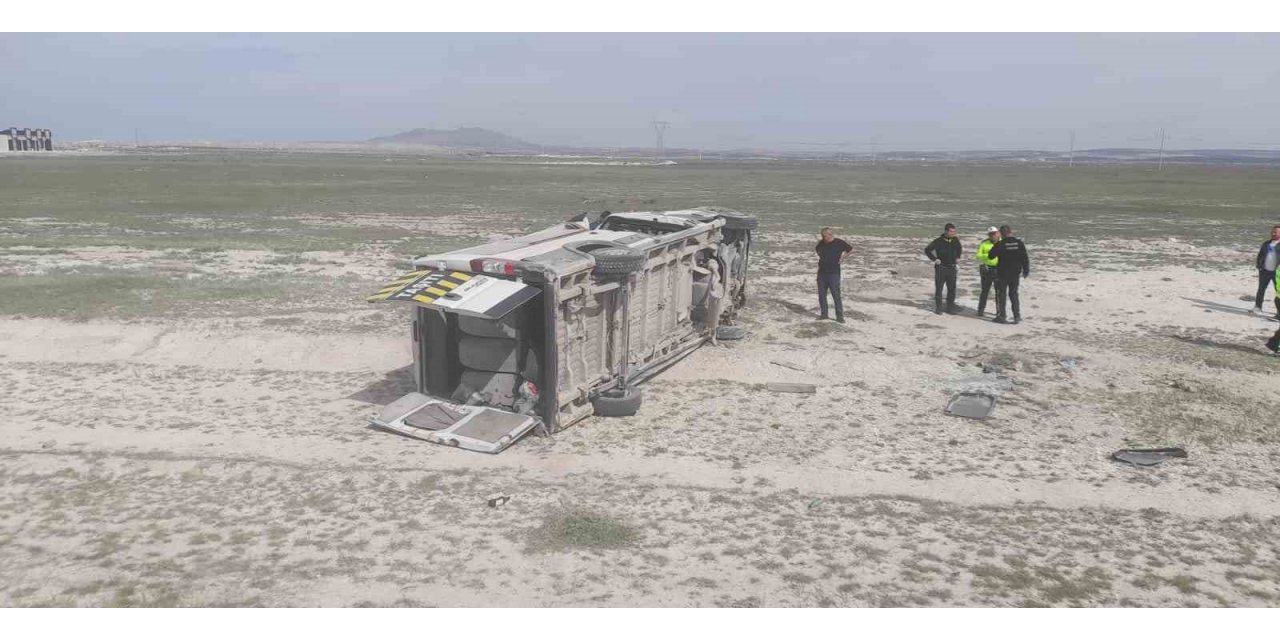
(1014, 264)
(831, 251)
(1274, 343)
(1268, 260)
(944, 251)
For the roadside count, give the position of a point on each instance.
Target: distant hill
(464, 138)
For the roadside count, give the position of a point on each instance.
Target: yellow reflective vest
(985, 248)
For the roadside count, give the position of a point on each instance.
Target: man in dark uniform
(831, 250)
(944, 251)
(1014, 264)
(1268, 266)
(1274, 343)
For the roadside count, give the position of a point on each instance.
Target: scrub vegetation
(580, 530)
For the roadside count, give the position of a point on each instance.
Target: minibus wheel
(616, 403)
(613, 262)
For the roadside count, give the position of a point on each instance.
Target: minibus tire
(616, 403)
(613, 262)
(728, 332)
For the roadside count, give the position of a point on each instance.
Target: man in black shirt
(1014, 264)
(831, 250)
(1268, 263)
(944, 251)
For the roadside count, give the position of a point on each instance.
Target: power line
(1160, 166)
(660, 128)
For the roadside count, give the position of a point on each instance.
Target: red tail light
(491, 265)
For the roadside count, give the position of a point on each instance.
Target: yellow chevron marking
(437, 289)
(403, 281)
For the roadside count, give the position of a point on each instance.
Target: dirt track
(225, 460)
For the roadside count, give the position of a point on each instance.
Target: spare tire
(730, 333)
(739, 221)
(614, 262)
(617, 403)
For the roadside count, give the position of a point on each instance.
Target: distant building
(15, 139)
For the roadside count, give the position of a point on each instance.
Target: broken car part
(970, 404)
(1148, 457)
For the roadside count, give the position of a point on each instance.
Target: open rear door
(475, 428)
(463, 293)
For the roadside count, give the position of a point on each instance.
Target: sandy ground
(226, 461)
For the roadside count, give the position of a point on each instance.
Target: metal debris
(792, 387)
(1148, 457)
(971, 404)
(787, 365)
(497, 500)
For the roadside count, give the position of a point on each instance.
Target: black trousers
(1007, 290)
(1274, 343)
(944, 274)
(988, 277)
(829, 282)
(1265, 279)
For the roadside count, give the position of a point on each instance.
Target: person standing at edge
(1014, 263)
(831, 251)
(944, 251)
(987, 266)
(715, 300)
(1268, 261)
(1274, 343)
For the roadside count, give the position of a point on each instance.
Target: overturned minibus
(543, 330)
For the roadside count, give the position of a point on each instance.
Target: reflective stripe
(406, 278)
(459, 292)
(424, 280)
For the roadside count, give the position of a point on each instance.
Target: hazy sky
(904, 91)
